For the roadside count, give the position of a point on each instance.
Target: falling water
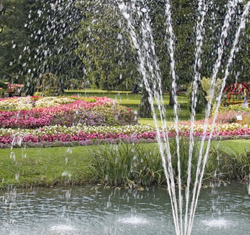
(149, 68)
(198, 180)
(142, 68)
(202, 9)
(230, 60)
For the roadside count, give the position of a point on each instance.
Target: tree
(183, 22)
(104, 46)
(54, 26)
(13, 37)
(39, 35)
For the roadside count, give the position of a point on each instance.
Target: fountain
(183, 214)
(77, 215)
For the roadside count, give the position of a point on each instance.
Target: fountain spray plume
(171, 46)
(202, 10)
(230, 60)
(149, 68)
(231, 9)
(142, 54)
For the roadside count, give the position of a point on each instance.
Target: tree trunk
(145, 108)
(171, 97)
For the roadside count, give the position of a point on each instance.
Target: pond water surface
(94, 210)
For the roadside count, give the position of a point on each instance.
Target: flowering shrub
(229, 116)
(117, 114)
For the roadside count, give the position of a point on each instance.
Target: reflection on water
(93, 210)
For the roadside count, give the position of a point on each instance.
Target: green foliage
(78, 165)
(136, 164)
(48, 84)
(124, 164)
(3, 84)
(2, 91)
(184, 158)
(206, 84)
(38, 37)
(234, 108)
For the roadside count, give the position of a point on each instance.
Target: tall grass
(229, 165)
(125, 164)
(137, 164)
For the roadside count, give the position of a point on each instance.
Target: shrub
(89, 118)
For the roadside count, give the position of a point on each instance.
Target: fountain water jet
(147, 66)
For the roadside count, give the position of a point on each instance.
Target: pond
(222, 209)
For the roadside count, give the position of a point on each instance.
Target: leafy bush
(117, 114)
(86, 117)
(206, 86)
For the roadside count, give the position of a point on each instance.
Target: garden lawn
(64, 165)
(233, 146)
(44, 166)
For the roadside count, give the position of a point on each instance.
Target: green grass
(44, 166)
(229, 146)
(50, 166)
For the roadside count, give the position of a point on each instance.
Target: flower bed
(82, 121)
(63, 111)
(85, 135)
